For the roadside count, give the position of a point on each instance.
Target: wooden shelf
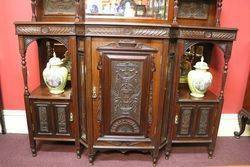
(42, 92)
(184, 96)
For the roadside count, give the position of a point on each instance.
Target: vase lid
(201, 65)
(55, 61)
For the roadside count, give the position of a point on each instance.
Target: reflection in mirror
(128, 8)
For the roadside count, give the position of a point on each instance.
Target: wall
(234, 14)
(10, 66)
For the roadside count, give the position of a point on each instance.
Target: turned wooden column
(22, 51)
(227, 56)
(33, 8)
(218, 12)
(175, 23)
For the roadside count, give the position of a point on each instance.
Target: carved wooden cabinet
(244, 115)
(125, 92)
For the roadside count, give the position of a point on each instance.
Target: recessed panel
(126, 90)
(54, 7)
(193, 9)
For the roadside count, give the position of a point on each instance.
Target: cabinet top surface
(42, 92)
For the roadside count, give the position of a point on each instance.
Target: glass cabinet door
(127, 8)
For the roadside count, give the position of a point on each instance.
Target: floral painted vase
(55, 75)
(199, 79)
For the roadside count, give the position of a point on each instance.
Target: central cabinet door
(125, 75)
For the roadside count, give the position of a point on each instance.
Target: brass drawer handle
(94, 93)
(176, 120)
(71, 117)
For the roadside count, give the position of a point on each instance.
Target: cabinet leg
(78, 150)
(91, 158)
(3, 125)
(154, 155)
(242, 122)
(167, 151)
(33, 148)
(210, 151)
(78, 154)
(167, 154)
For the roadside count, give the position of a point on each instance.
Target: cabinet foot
(91, 159)
(78, 154)
(154, 162)
(210, 154)
(167, 154)
(34, 152)
(242, 123)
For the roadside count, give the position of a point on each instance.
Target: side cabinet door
(125, 84)
(62, 118)
(204, 121)
(42, 115)
(184, 121)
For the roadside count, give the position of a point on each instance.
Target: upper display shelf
(127, 8)
(176, 12)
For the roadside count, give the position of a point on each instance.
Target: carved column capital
(218, 12)
(176, 8)
(33, 8)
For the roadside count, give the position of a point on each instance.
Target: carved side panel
(43, 118)
(186, 120)
(126, 88)
(65, 7)
(193, 9)
(204, 120)
(62, 118)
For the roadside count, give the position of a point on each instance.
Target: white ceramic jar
(199, 79)
(55, 75)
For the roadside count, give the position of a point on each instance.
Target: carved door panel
(194, 121)
(184, 121)
(204, 121)
(43, 118)
(125, 74)
(62, 118)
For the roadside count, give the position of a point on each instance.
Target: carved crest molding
(207, 34)
(45, 30)
(135, 31)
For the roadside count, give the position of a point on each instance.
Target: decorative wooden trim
(207, 34)
(176, 8)
(33, 8)
(43, 29)
(29, 39)
(218, 12)
(146, 32)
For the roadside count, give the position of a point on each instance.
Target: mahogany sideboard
(124, 92)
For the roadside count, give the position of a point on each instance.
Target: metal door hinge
(176, 120)
(94, 93)
(71, 117)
